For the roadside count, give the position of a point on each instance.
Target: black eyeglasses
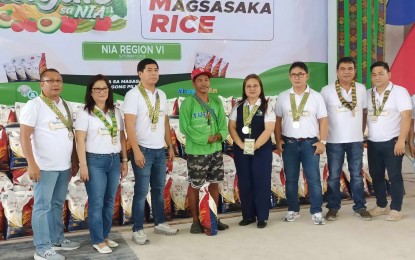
(298, 75)
(99, 90)
(52, 81)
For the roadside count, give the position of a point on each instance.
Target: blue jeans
(104, 177)
(153, 173)
(381, 157)
(50, 193)
(335, 159)
(296, 152)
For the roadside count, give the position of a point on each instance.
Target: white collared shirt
(269, 115)
(388, 124)
(343, 126)
(51, 145)
(98, 138)
(135, 104)
(314, 110)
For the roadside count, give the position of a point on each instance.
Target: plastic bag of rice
(127, 194)
(18, 211)
(207, 211)
(17, 159)
(4, 152)
(77, 204)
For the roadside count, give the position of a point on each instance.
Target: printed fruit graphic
(49, 24)
(103, 24)
(5, 19)
(69, 25)
(30, 25)
(17, 26)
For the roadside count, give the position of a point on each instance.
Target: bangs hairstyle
(264, 102)
(89, 100)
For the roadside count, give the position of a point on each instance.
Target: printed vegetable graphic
(120, 8)
(5, 19)
(69, 25)
(103, 24)
(17, 26)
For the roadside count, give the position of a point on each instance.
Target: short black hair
(299, 64)
(143, 63)
(89, 100)
(346, 60)
(48, 70)
(380, 64)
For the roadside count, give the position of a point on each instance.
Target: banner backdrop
(81, 38)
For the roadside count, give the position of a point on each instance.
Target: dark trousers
(380, 157)
(254, 181)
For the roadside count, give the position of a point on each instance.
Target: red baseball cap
(199, 71)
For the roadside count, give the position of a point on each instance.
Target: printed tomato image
(69, 25)
(103, 24)
(17, 26)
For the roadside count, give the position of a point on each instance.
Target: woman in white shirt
(102, 155)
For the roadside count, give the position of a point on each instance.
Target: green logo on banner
(116, 51)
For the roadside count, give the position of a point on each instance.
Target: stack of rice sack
(229, 200)
(278, 197)
(5, 185)
(77, 204)
(179, 188)
(17, 205)
(127, 194)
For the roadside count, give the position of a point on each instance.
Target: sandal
(196, 228)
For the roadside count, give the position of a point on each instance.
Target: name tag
(305, 113)
(103, 131)
(384, 113)
(249, 146)
(342, 109)
(55, 125)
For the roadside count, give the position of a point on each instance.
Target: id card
(249, 145)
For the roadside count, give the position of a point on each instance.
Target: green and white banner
(232, 39)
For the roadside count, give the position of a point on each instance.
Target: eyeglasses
(298, 75)
(52, 81)
(99, 90)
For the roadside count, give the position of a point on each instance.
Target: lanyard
(341, 98)
(114, 128)
(298, 111)
(153, 112)
(58, 113)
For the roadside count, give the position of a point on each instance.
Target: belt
(292, 139)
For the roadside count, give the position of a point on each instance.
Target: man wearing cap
(389, 118)
(148, 127)
(301, 118)
(203, 122)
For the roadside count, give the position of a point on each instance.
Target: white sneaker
(139, 237)
(111, 243)
(318, 219)
(49, 254)
(291, 216)
(165, 229)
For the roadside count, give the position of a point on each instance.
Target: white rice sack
(77, 198)
(227, 187)
(277, 176)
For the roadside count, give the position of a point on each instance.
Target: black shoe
(261, 224)
(222, 226)
(332, 214)
(246, 222)
(196, 228)
(363, 214)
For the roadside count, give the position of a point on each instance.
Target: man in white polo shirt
(301, 118)
(147, 125)
(389, 118)
(46, 132)
(347, 110)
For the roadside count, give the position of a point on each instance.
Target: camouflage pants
(204, 168)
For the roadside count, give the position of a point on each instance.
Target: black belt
(292, 139)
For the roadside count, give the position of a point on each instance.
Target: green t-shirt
(194, 125)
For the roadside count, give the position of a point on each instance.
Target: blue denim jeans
(381, 157)
(335, 159)
(296, 152)
(104, 177)
(153, 173)
(50, 193)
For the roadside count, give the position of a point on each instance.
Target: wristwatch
(323, 142)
